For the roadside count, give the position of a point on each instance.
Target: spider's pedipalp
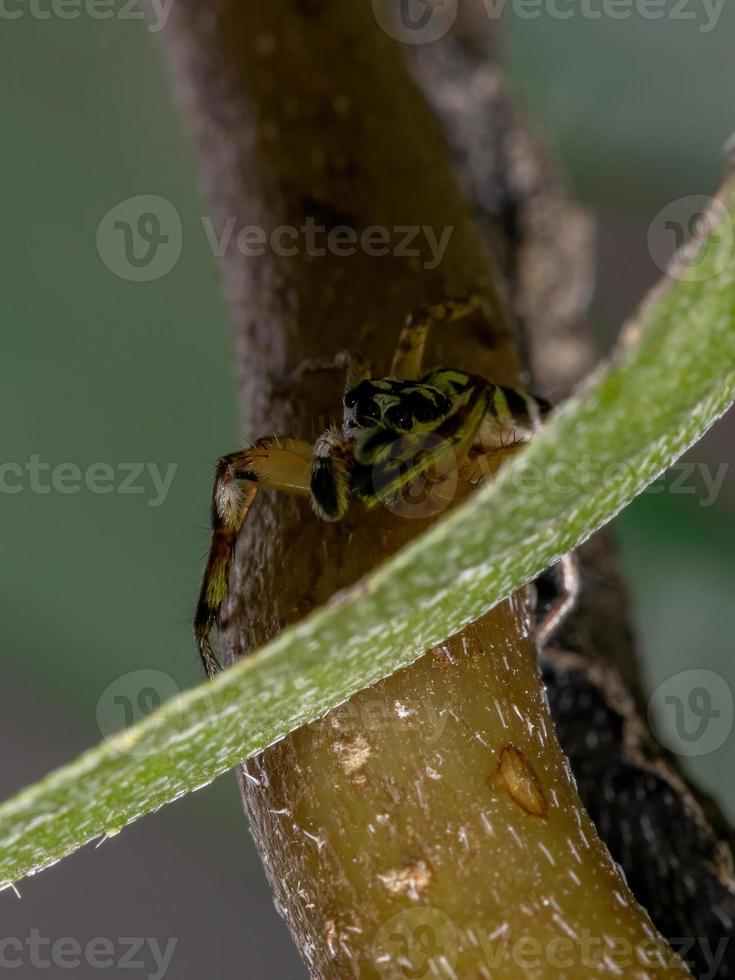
(330, 477)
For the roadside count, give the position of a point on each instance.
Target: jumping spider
(394, 430)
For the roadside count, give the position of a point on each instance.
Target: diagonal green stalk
(673, 377)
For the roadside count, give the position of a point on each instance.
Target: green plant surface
(672, 377)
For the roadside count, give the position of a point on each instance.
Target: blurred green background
(97, 587)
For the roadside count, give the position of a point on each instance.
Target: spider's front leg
(282, 464)
(354, 364)
(409, 355)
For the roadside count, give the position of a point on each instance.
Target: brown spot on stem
(352, 756)
(516, 777)
(411, 880)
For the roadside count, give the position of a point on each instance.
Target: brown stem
(434, 815)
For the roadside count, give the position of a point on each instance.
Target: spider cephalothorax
(393, 405)
(394, 431)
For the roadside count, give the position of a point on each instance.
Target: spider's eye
(424, 411)
(360, 402)
(367, 413)
(401, 417)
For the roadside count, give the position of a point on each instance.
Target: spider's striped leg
(280, 464)
(409, 354)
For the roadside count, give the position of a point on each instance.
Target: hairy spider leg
(281, 464)
(510, 418)
(409, 354)
(483, 464)
(355, 365)
(566, 572)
